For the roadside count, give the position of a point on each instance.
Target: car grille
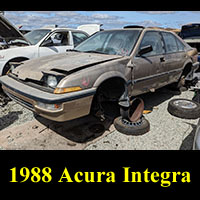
(33, 83)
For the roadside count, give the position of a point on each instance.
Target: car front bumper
(71, 105)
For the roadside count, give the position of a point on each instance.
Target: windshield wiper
(93, 51)
(73, 50)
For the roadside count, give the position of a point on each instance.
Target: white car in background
(90, 28)
(16, 47)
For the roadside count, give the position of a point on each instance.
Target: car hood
(7, 30)
(65, 63)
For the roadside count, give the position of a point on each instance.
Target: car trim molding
(156, 75)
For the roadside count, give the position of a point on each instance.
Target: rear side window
(181, 46)
(170, 42)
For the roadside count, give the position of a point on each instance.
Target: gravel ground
(14, 114)
(166, 132)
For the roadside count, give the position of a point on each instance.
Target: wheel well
(107, 96)
(112, 87)
(18, 59)
(186, 69)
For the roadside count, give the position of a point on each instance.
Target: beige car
(104, 70)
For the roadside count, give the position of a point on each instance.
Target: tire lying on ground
(184, 108)
(127, 127)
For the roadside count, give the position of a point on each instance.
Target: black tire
(184, 108)
(140, 127)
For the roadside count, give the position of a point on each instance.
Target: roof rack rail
(133, 26)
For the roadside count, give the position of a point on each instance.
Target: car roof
(140, 28)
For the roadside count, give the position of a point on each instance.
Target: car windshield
(36, 35)
(113, 42)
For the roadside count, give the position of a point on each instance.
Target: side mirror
(47, 43)
(145, 49)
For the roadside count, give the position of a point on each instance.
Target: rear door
(147, 70)
(175, 56)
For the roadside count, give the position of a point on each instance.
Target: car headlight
(52, 81)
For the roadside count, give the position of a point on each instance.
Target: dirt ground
(44, 134)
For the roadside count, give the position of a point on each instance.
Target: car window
(78, 37)
(154, 39)
(180, 45)
(170, 42)
(59, 39)
(36, 35)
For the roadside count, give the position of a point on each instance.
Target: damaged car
(190, 33)
(16, 47)
(105, 70)
(188, 109)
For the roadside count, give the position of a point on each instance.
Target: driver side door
(57, 42)
(147, 67)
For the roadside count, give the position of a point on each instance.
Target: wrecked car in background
(196, 144)
(106, 69)
(188, 109)
(15, 47)
(90, 28)
(190, 33)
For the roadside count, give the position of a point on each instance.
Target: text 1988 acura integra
(110, 66)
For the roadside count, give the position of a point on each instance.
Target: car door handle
(162, 59)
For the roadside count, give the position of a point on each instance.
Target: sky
(109, 19)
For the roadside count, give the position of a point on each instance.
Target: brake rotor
(136, 109)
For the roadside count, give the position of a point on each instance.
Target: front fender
(107, 75)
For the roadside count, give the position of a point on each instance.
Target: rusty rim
(136, 109)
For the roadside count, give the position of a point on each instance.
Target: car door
(146, 72)
(57, 42)
(175, 56)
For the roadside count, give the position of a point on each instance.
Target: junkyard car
(196, 145)
(190, 33)
(107, 68)
(15, 47)
(188, 109)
